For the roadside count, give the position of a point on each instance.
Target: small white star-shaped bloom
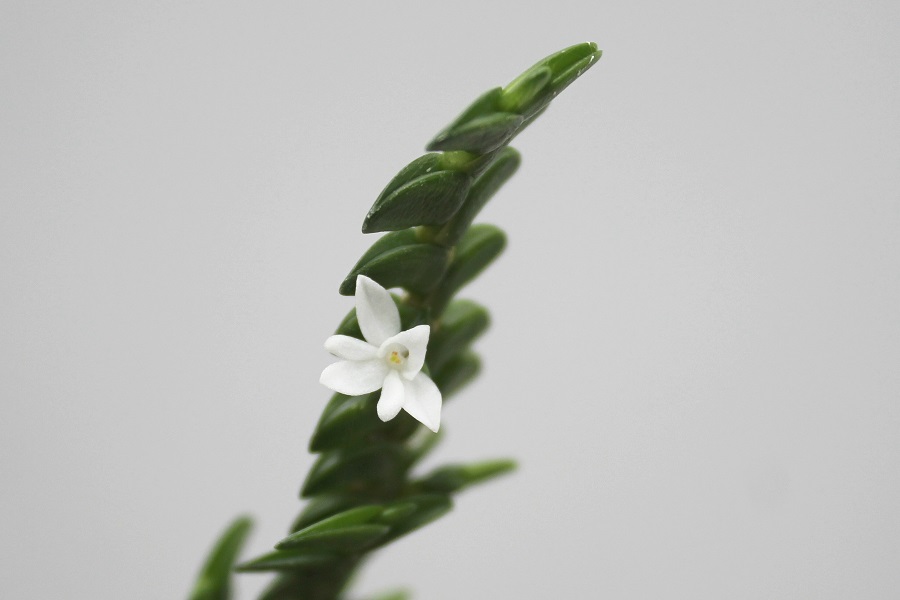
(389, 359)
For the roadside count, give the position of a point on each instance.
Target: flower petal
(392, 395)
(376, 312)
(350, 348)
(416, 341)
(354, 377)
(423, 401)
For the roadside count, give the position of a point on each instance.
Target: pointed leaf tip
(454, 478)
(285, 560)
(214, 581)
(350, 530)
(428, 191)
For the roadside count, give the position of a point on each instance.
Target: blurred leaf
(214, 581)
(354, 422)
(429, 507)
(459, 371)
(477, 249)
(320, 508)
(286, 560)
(459, 326)
(375, 471)
(353, 539)
(394, 595)
(320, 584)
(394, 513)
(453, 478)
(359, 515)
(349, 530)
(422, 442)
(400, 428)
(351, 416)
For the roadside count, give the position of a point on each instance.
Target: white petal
(392, 395)
(423, 401)
(376, 312)
(350, 348)
(354, 377)
(416, 341)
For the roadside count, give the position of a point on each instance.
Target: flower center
(396, 355)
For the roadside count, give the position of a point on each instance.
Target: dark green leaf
(477, 249)
(486, 185)
(453, 478)
(416, 267)
(486, 104)
(429, 507)
(347, 530)
(395, 513)
(400, 428)
(214, 582)
(354, 422)
(425, 164)
(320, 508)
(323, 583)
(336, 404)
(481, 134)
(522, 90)
(351, 539)
(461, 323)
(430, 199)
(389, 241)
(352, 416)
(286, 560)
(359, 515)
(422, 442)
(457, 373)
(375, 471)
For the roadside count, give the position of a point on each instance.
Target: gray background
(696, 341)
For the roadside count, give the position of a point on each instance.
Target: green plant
(361, 492)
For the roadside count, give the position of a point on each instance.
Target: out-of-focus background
(696, 343)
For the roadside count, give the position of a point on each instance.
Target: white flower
(389, 359)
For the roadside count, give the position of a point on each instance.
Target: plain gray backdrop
(696, 333)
